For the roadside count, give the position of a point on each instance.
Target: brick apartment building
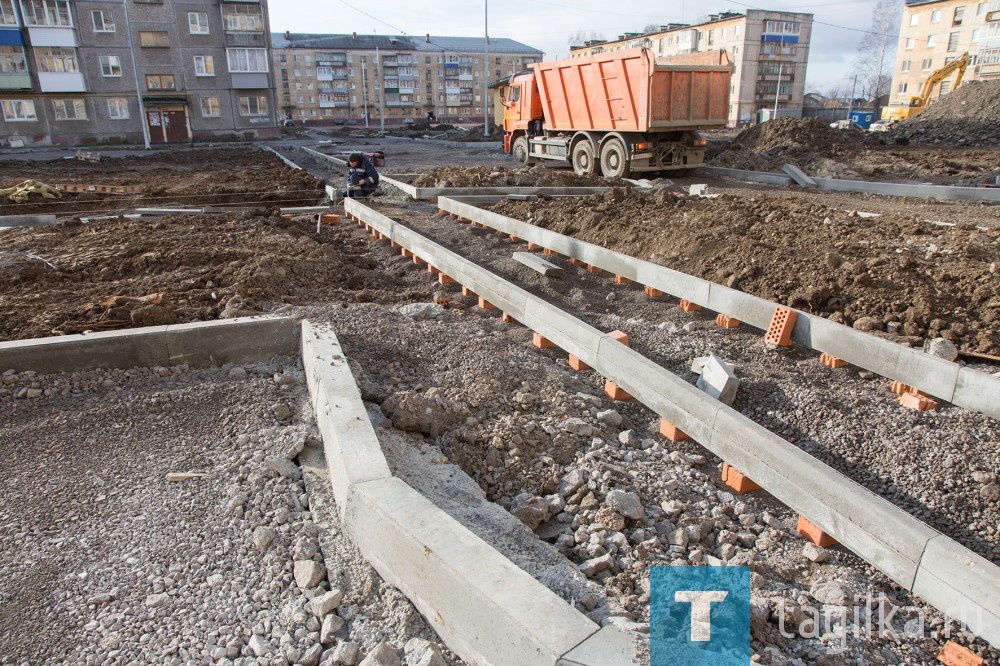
(325, 79)
(933, 33)
(770, 51)
(125, 71)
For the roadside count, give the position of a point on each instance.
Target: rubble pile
(969, 116)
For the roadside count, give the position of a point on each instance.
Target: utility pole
(381, 91)
(364, 89)
(487, 99)
(776, 90)
(878, 78)
(135, 73)
(850, 104)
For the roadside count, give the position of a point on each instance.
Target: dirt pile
(808, 143)
(121, 273)
(894, 275)
(968, 116)
(529, 176)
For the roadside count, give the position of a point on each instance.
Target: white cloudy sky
(548, 24)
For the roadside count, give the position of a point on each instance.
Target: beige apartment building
(769, 49)
(326, 79)
(934, 33)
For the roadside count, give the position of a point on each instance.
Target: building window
(927, 64)
(976, 34)
(903, 87)
(111, 66)
(69, 109)
(909, 43)
(204, 66)
(931, 40)
(914, 19)
(47, 13)
(154, 39)
(906, 66)
(945, 88)
(18, 110)
(160, 82)
(936, 16)
(103, 21)
(12, 60)
(118, 108)
(959, 15)
(253, 106)
(210, 107)
(247, 60)
(7, 15)
(56, 59)
(198, 23)
(952, 42)
(243, 19)
(980, 9)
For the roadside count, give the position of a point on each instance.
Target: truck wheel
(614, 160)
(583, 159)
(519, 151)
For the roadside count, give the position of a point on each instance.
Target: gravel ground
(103, 561)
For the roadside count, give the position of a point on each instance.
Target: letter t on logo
(701, 610)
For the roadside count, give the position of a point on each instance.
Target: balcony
(52, 36)
(246, 39)
(15, 82)
(58, 82)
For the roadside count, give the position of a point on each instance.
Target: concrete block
(749, 176)
(698, 190)
(26, 220)
(798, 175)
(486, 609)
(718, 380)
(962, 584)
(608, 647)
(979, 391)
(353, 453)
(73, 353)
(539, 265)
(232, 340)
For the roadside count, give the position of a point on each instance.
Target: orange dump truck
(618, 112)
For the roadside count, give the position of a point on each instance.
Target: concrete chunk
(536, 263)
(799, 176)
(718, 380)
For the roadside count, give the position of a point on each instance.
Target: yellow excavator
(919, 102)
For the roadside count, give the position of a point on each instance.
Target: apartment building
(88, 72)
(933, 33)
(769, 49)
(325, 79)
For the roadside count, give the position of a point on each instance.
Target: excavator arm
(937, 77)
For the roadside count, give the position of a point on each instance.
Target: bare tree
(877, 52)
(580, 36)
(652, 27)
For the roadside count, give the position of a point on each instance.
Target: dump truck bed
(632, 91)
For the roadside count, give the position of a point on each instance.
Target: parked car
(352, 121)
(409, 121)
(880, 126)
(843, 124)
(339, 121)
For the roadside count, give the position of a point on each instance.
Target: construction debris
(19, 193)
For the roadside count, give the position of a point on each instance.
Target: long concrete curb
(403, 182)
(27, 220)
(876, 530)
(940, 192)
(959, 385)
(281, 157)
(485, 608)
(201, 343)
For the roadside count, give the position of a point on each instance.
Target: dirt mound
(893, 274)
(808, 143)
(122, 273)
(530, 176)
(968, 116)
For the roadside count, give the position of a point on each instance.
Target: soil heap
(893, 275)
(968, 116)
(808, 143)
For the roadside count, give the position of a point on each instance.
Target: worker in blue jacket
(362, 178)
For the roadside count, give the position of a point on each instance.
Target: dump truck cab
(522, 104)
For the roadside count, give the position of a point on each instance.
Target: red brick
(737, 480)
(917, 401)
(810, 532)
(445, 279)
(485, 304)
(467, 292)
(551, 253)
(779, 333)
(652, 292)
(616, 392)
(532, 246)
(542, 342)
(620, 336)
(593, 269)
(672, 432)
(577, 262)
(688, 306)
(329, 218)
(621, 279)
(725, 321)
(577, 364)
(953, 654)
(418, 261)
(508, 319)
(831, 361)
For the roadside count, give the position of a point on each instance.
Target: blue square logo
(699, 616)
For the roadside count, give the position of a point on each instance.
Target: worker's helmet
(354, 158)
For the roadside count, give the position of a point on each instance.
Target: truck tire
(614, 160)
(584, 163)
(519, 151)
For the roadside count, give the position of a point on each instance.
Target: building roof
(910, 3)
(356, 42)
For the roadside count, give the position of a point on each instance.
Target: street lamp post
(135, 73)
(486, 69)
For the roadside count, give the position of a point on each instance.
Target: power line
(832, 25)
